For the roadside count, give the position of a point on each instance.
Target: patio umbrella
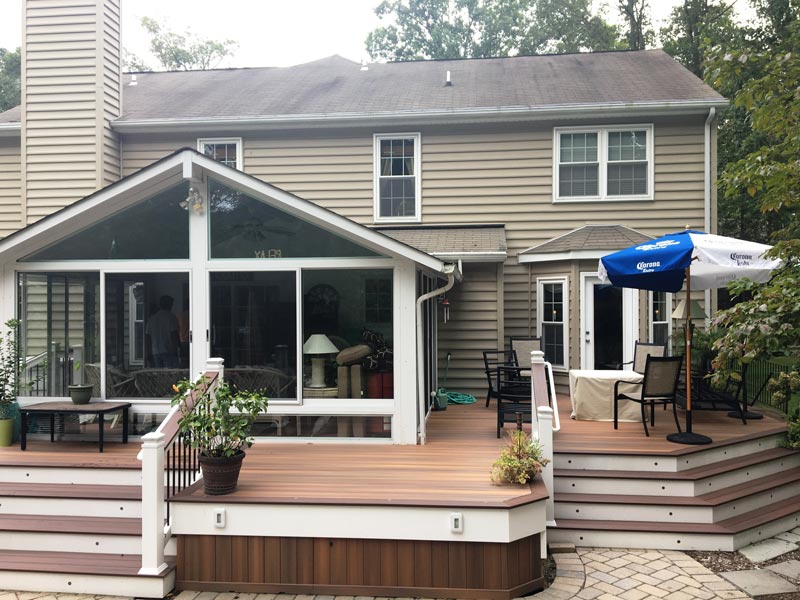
(705, 261)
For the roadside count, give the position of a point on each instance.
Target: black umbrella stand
(689, 437)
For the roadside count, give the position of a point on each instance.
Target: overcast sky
(269, 32)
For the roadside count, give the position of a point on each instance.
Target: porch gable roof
(587, 242)
(186, 164)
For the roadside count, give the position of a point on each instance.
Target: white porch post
(152, 504)
(216, 365)
(404, 422)
(544, 425)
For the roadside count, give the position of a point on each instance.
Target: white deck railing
(546, 421)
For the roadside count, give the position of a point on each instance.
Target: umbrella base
(689, 437)
(750, 416)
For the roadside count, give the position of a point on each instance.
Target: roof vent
(447, 79)
(133, 80)
(364, 66)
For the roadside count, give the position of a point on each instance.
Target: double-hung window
(397, 177)
(660, 317)
(228, 151)
(603, 163)
(552, 310)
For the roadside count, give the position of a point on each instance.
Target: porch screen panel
(147, 334)
(157, 228)
(59, 331)
(244, 227)
(254, 328)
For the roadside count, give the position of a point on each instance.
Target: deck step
(80, 573)
(71, 490)
(71, 499)
(71, 524)
(730, 534)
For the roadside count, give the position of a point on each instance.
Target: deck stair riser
(666, 512)
(70, 506)
(76, 475)
(70, 542)
(661, 463)
(651, 484)
(105, 585)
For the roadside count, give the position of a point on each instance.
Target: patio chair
(493, 359)
(659, 386)
(641, 350)
(513, 396)
(273, 382)
(157, 383)
(523, 346)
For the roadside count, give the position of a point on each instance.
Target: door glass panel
(153, 229)
(254, 328)
(243, 227)
(59, 333)
(147, 334)
(607, 326)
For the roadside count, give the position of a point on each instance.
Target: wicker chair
(273, 382)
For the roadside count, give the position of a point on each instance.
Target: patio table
(53, 409)
(592, 395)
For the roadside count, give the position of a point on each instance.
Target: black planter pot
(220, 474)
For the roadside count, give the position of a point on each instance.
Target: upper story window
(603, 163)
(228, 151)
(397, 177)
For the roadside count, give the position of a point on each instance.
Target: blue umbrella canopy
(660, 264)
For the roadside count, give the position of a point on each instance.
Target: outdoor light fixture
(317, 346)
(193, 200)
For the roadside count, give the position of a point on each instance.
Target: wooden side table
(101, 409)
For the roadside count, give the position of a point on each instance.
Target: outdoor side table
(101, 409)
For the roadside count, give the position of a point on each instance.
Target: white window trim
(376, 168)
(201, 142)
(602, 158)
(564, 281)
(132, 320)
(667, 320)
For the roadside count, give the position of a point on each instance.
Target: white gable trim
(570, 255)
(187, 164)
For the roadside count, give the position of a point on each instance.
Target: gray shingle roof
(453, 242)
(591, 237)
(335, 85)
(12, 115)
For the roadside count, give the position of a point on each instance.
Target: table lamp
(317, 346)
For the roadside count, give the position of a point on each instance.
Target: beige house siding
(64, 111)
(472, 327)
(10, 187)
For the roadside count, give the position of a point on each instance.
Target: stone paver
(766, 550)
(759, 582)
(787, 568)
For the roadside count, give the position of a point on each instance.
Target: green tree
(639, 32)
(769, 323)
(10, 75)
(421, 29)
(180, 51)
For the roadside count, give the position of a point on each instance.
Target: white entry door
(609, 323)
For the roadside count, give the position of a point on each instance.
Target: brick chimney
(71, 91)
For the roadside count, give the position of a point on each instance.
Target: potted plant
(218, 425)
(80, 393)
(520, 460)
(12, 366)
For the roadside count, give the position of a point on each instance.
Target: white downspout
(712, 112)
(421, 400)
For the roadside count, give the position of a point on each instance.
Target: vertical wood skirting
(360, 566)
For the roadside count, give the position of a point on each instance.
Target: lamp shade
(319, 343)
(697, 311)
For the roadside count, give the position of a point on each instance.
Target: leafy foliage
(793, 433)
(437, 29)
(180, 51)
(218, 424)
(12, 368)
(639, 33)
(520, 460)
(10, 75)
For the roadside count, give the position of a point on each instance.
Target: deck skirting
(360, 567)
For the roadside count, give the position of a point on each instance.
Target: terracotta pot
(220, 473)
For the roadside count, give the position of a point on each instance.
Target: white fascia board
(395, 118)
(63, 216)
(10, 129)
(315, 214)
(570, 255)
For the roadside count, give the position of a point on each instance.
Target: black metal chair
(659, 386)
(493, 359)
(514, 396)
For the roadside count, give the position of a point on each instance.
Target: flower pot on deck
(221, 473)
(81, 394)
(6, 432)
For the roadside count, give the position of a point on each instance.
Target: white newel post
(152, 504)
(216, 365)
(544, 425)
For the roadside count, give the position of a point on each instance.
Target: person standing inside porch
(161, 335)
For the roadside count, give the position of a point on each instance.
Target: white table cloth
(592, 395)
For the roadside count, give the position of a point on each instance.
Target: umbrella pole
(688, 436)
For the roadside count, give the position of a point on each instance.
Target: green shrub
(520, 460)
